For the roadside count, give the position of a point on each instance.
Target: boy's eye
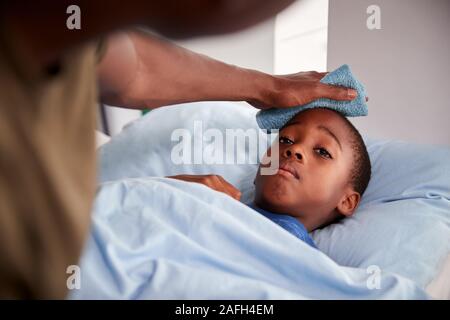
(323, 153)
(286, 140)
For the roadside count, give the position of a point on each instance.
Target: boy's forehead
(323, 118)
(317, 115)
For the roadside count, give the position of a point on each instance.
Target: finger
(257, 105)
(322, 74)
(334, 92)
(230, 189)
(182, 177)
(314, 75)
(217, 183)
(234, 193)
(225, 182)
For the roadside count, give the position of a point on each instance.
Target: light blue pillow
(144, 147)
(402, 224)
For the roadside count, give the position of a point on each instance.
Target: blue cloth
(276, 118)
(288, 223)
(160, 238)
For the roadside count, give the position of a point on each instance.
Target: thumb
(323, 90)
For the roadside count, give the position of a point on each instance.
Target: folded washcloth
(276, 118)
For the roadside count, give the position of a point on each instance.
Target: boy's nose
(290, 153)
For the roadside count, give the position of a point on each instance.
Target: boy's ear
(348, 202)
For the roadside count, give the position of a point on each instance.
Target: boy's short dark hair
(362, 168)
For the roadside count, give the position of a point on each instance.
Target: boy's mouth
(289, 170)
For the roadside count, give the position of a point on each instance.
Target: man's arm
(140, 70)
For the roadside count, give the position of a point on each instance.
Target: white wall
(405, 65)
(118, 118)
(301, 37)
(251, 48)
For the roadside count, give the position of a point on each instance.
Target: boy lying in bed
(324, 169)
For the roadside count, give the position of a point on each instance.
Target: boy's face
(315, 159)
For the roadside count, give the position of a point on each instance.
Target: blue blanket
(158, 238)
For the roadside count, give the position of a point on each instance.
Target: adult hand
(299, 89)
(215, 182)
